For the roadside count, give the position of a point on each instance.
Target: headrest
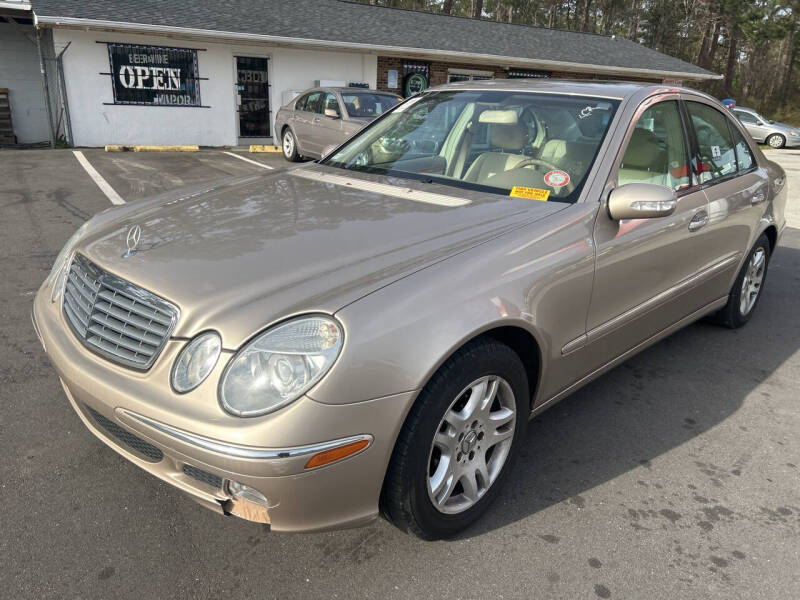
(644, 152)
(507, 136)
(503, 117)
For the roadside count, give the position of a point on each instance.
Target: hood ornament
(132, 241)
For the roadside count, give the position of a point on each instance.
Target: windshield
(539, 146)
(365, 104)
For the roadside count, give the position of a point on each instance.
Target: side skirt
(689, 319)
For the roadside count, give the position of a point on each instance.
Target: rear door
(736, 186)
(650, 273)
(304, 122)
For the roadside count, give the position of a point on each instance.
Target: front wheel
(747, 288)
(289, 144)
(776, 141)
(458, 442)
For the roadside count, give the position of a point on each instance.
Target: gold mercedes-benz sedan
(371, 333)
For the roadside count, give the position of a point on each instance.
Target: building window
(518, 74)
(468, 75)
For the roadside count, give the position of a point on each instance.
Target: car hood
(243, 253)
(784, 126)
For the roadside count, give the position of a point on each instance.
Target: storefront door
(253, 96)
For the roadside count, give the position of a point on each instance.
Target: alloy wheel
(288, 144)
(776, 141)
(471, 444)
(753, 278)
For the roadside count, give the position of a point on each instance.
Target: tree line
(752, 43)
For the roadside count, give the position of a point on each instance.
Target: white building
(214, 74)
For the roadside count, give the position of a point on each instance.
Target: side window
(744, 157)
(313, 102)
(656, 152)
(745, 117)
(717, 156)
(301, 103)
(331, 103)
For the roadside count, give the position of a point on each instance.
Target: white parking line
(250, 160)
(113, 196)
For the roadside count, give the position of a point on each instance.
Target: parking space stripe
(104, 186)
(250, 160)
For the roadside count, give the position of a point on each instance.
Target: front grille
(203, 476)
(115, 318)
(142, 449)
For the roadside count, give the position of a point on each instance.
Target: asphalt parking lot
(677, 475)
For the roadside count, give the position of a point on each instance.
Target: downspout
(45, 86)
(63, 86)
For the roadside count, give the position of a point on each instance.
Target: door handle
(700, 219)
(758, 197)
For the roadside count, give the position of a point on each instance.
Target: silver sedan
(320, 119)
(761, 129)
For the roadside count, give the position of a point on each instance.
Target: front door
(757, 130)
(649, 273)
(329, 130)
(252, 86)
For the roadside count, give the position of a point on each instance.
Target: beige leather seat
(511, 138)
(645, 161)
(572, 157)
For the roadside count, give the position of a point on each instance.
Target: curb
(261, 148)
(188, 148)
(123, 148)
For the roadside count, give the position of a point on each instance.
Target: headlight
(196, 361)
(56, 277)
(280, 365)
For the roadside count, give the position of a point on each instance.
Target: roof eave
(73, 23)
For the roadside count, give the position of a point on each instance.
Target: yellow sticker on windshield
(519, 191)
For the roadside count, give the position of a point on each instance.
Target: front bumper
(198, 448)
(792, 141)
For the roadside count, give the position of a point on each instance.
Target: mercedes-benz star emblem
(134, 234)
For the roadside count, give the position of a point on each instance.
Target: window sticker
(715, 152)
(556, 179)
(519, 191)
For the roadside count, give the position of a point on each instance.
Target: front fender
(537, 278)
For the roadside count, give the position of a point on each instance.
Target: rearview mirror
(333, 114)
(641, 201)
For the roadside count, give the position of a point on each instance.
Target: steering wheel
(538, 162)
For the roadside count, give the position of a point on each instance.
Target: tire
(408, 499)
(776, 140)
(741, 305)
(289, 145)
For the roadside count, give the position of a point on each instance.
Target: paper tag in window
(715, 152)
(556, 179)
(519, 191)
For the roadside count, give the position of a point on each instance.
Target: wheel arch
(772, 235)
(518, 337)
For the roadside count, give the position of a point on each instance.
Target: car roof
(345, 89)
(607, 89)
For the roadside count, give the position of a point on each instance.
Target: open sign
(154, 75)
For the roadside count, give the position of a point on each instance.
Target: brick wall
(438, 72)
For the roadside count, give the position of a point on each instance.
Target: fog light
(241, 491)
(246, 503)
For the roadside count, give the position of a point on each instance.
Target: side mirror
(641, 201)
(333, 114)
